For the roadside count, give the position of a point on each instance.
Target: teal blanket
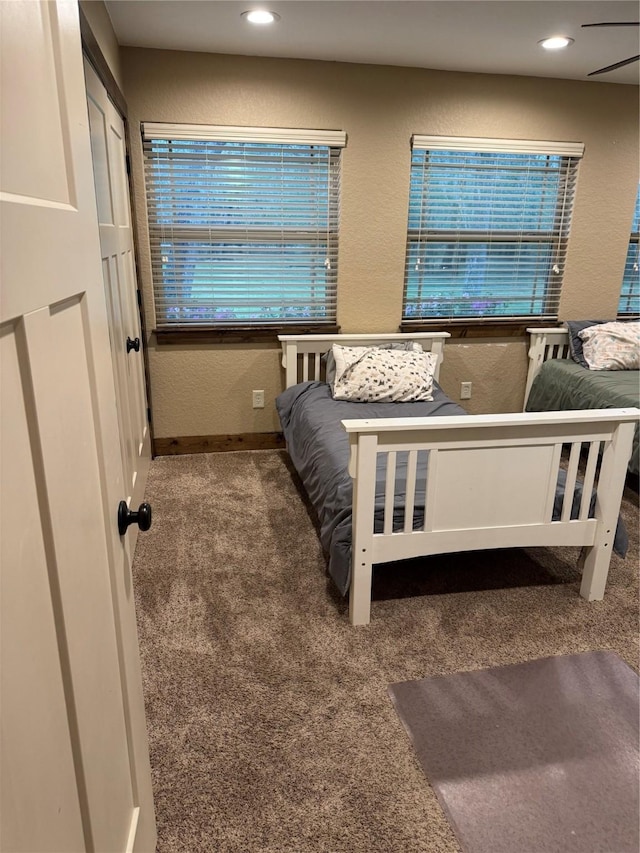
(562, 385)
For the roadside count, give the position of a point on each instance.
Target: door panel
(29, 167)
(57, 340)
(75, 773)
(39, 793)
(116, 244)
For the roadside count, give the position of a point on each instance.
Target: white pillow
(330, 372)
(372, 375)
(612, 346)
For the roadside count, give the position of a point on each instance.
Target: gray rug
(534, 757)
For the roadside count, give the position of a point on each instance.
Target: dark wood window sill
(182, 335)
(238, 334)
(480, 328)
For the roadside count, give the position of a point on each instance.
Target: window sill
(479, 328)
(238, 334)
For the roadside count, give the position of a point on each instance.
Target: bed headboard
(302, 354)
(544, 344)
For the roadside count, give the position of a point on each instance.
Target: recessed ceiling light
(260, 16)
(555, 42)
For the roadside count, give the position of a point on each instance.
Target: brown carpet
(269, 721)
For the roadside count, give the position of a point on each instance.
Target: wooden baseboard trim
(217, 443)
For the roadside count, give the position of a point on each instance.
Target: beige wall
(96, 14)
(206, 390)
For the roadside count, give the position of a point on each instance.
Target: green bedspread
(561, 384)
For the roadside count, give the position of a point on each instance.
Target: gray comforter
(319, 449)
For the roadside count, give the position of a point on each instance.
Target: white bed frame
(543, 345)
(492, 478)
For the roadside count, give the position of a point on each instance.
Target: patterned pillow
(373, 375)
(612, 346)
(330, 362)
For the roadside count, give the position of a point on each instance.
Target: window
(243, 225)
(488, 227)
(629, 305)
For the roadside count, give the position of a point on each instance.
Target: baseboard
(217, 443)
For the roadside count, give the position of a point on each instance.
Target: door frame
(94, 54)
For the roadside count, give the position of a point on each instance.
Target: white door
(118, 270)
(75, 772)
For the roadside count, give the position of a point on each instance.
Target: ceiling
(486, 36)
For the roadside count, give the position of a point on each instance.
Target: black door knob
(133, 345)
(126, 517)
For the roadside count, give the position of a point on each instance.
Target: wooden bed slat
(410, 496)
(389, 492)
(570, 483)
(589, 479)
(430, 497)
(553, 481)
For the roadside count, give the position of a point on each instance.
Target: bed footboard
(492, 483)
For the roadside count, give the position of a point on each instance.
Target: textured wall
(200, 390)
(96, 14)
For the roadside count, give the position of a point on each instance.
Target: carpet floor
(270, 725)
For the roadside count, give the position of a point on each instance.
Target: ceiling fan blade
(614, 24)
(615, 65)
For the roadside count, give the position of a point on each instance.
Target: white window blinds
(488, 227)
(243, 224)
(629, 305)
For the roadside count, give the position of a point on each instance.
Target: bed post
(536, 359)
(290, 361)
(595, 558)
(437, 347)
(545, 344)
(362, 467)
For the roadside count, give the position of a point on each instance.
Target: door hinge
(139, 297)
(149, 415)
(127, 160)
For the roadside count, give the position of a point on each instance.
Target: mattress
(563, 385)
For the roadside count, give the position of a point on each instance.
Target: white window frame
(179, 310)
(417, 311)
(630, 290)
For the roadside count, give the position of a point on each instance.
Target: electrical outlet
(465, 390)
(258, 399)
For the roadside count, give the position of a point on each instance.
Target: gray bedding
(563, 385)
(319, 449)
